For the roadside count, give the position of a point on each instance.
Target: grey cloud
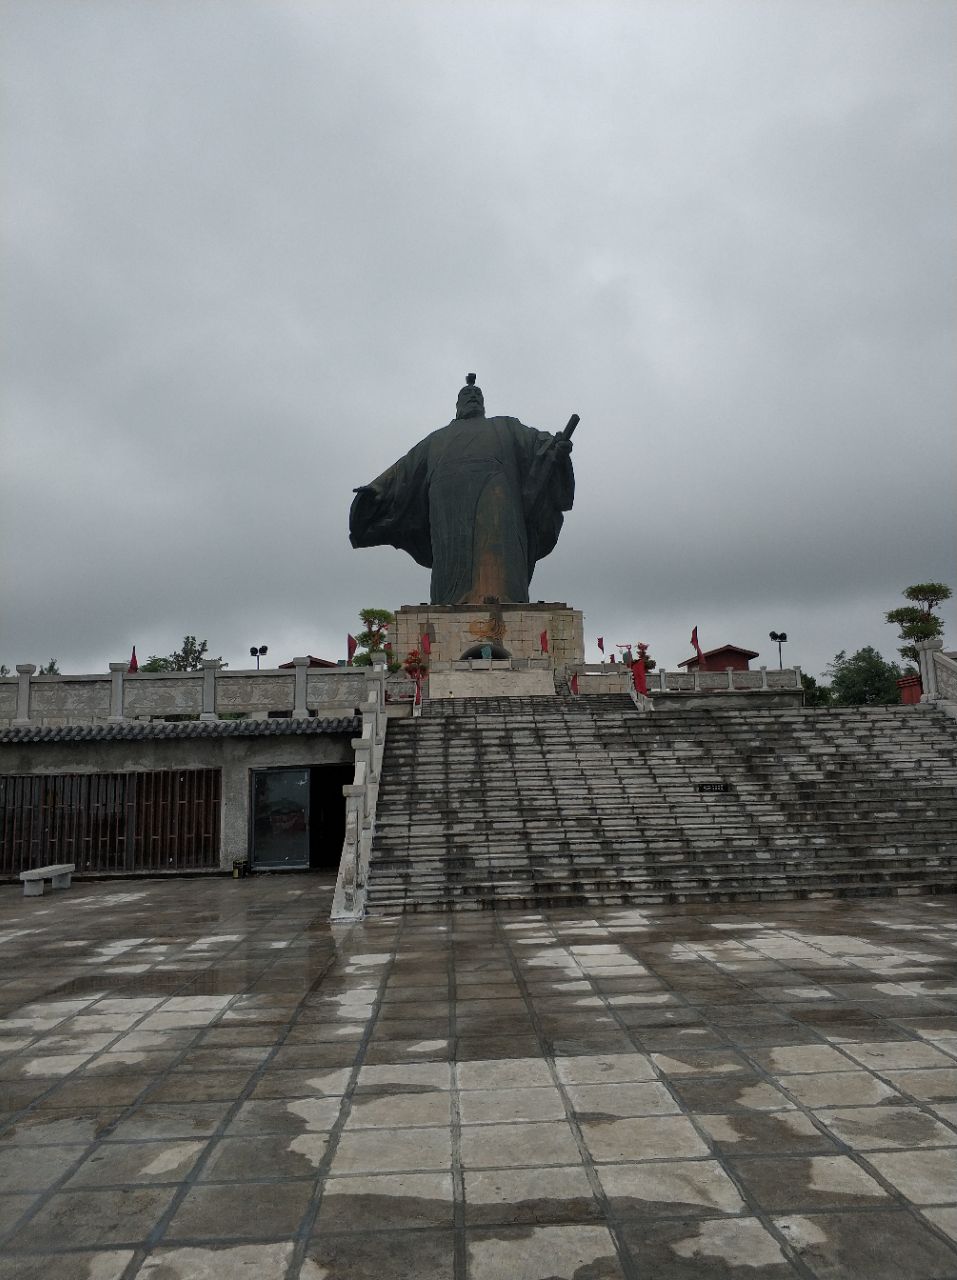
(252, 250)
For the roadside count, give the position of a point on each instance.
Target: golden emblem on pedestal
(489, 629)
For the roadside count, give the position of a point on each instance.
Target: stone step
(613, 896)
(485, 796)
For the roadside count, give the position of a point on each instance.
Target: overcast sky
(250, 250)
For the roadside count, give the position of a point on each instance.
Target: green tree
(864, 679)
(374, 637)
(815, 695)
(189, 657)
(4, 670)
(51, 669)
(917, 621)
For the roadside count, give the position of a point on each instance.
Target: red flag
(601, 644)
(426, 644)
(611, 659)
(351, 645)
(639, 677)
(543, 641)
(418, 690)
(573, 684)
(134, 665)
(694, 641)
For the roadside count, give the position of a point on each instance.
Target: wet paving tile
(511, 1196)
(503, 1074)
(37, 1168)
(381, 1201)
(103, 1264)
(670, 1187)
(283, 1115)
(701, 1062)
(398, 1255)
(393, 1150)
(191, 1120)
(707, 1249)
(807, 1182)
(132, 1163)
(610, 1092)
(924, 1177)
(95, 1218)
(225, 1212)
(225, 1262)
(927, 1086)
(497, 1145)
(642, 1138)
(764, 1133)
(399, 1109)
(867, 1246)
(616, 1068)
(729, 1093)
(611, 1101)
(43, 1128)
(272, 1156)
(490, 1106)
(898, 1054)
(543, 1253)
(838, 1088)
(877, 1128)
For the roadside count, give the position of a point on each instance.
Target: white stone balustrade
(608, 677)
(28, 700)
(362, 797)
(938, 676)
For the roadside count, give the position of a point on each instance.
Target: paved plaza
(203, 1079)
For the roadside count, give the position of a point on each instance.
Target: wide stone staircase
(558, 802)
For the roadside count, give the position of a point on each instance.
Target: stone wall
(235, 756)
(28, 699)
(491, 680)
(515, 627)
(727, 688)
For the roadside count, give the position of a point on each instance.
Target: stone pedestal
(515, 628)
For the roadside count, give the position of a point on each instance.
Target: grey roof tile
(137, 731)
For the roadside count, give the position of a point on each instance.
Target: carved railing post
(300, 711)
(24, 671)
(361, 798)
(117, 672)
(210, 667)
(928, 672)
(346, 904)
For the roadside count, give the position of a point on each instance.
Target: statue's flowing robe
(479, 502)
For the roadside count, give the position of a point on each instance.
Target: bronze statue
(479, 502)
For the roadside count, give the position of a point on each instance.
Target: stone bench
(33, 879)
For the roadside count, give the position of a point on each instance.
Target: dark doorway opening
(327, 828)
(475, 651)
(298, 818)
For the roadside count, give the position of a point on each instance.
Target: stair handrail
(938, 675)
(361, 798)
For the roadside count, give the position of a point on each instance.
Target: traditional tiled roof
(133, 730)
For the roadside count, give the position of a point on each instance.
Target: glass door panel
(280, 819)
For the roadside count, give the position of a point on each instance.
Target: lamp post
(779, 637)
(258, 653)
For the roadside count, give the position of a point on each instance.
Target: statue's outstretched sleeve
(548, 490)
(394, 508)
